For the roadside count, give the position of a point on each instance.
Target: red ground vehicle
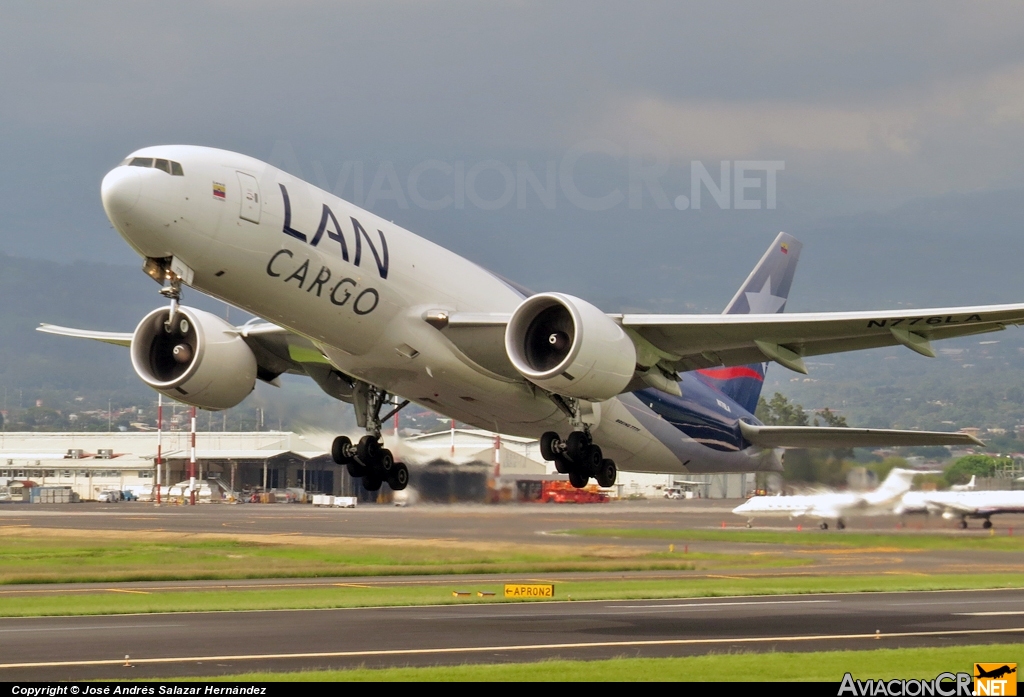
(564, 492)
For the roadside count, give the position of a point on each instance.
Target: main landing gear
(369, 459)
(579, 457)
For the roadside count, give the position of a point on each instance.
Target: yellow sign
(995, 679)
(531, 590)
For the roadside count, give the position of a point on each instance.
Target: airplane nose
(120, 191)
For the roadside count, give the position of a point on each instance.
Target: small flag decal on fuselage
(219, 190)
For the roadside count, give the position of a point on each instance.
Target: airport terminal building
(455, 464)
(91, 463)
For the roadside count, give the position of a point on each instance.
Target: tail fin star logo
(995, 679)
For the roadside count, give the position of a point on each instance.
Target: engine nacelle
(199, 360)
(569, 347)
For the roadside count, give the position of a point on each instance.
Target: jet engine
(196, 358)
(569, 347)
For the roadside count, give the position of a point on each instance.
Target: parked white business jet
(372, 312)
(831, 505)
(962, 504)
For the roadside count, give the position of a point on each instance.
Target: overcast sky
(868, 105)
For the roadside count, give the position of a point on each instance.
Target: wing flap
(826, 437)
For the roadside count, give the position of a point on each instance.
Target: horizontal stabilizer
(116, 338)
(823, 437)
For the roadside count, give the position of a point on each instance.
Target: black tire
(355, 470)
(575, 445)
(339, 448)
(371, 483)
(963, 523)
(578, 480)
(546, 441)
(399, 478)
(607, 473)
(385, 463)
(368, 450)
(824, 526)
(987, 524)
(840, 525)
(562, 466)
(592, 459)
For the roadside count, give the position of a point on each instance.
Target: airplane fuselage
(359, 287)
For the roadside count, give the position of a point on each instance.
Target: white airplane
(372, 312)
(962, 504)
(831, 505)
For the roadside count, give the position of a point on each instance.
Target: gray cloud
(868, 103)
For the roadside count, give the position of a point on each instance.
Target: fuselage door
(250, 197)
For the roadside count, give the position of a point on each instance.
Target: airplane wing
(692, 342)
(116, 338)
(277, 350)
(706, 341)
(827, 437)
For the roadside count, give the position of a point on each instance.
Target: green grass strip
(827, 666)
(123, 601)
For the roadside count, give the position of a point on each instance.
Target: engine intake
(199, 359)
(569, 347)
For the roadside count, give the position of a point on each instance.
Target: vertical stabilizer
(764, 292)
(895, 485)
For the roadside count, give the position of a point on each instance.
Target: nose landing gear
(369, 459)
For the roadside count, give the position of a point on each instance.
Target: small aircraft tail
(895, 485)
(764, 292)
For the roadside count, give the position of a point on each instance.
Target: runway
(178, 644)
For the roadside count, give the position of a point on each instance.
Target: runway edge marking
(528, 647)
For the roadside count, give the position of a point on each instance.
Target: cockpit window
(172, 168)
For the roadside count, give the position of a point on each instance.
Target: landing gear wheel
(371, 483)
(399, 478)
(824, 526)
(963, 523)
(339, 450)
(578, 480)
(987, 524)
(606, 473)
(386, 463)
(592, 459)
(575, 446)
(840, 525)
(546, 442)
(368, 450)
(355, 470)
(562, 466)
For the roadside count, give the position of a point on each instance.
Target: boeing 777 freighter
(378, 316)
